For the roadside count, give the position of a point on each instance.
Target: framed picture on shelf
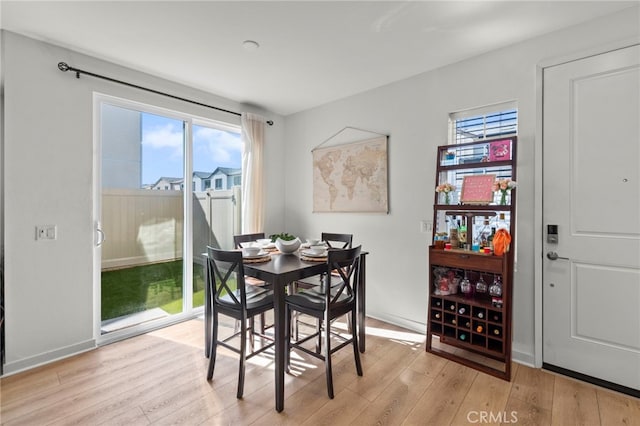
(500, 150)
(477, 189)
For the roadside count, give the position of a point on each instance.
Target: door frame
(538, 196)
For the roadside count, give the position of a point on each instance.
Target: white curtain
(252, 173)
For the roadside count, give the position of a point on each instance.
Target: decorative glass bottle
(465, 286)
(481, 286)
(496, 288)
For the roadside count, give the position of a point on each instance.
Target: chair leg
(287, 339)
(319, 332)
(243, 358)
(262, 323)
(327, 358)
(213, 347)
(354, 338)
(252, 336)
(292, 289)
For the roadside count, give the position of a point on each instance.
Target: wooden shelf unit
(472, 330)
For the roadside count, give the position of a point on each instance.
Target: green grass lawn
(159, 285)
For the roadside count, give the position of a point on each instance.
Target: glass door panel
(217, 173)
(142, 217)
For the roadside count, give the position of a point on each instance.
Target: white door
(591, 276)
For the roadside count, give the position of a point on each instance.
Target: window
(207, 184)
(488, 122)
(491, 122)
(237, 180)
(484, 123)
(218, 183)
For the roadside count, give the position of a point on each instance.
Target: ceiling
(311, 52)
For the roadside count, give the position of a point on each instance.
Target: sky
(163, 151)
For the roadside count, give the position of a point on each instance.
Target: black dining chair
(231, 296)
(330, 303)
(247, 238)
(333, 241)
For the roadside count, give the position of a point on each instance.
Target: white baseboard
(18, 366)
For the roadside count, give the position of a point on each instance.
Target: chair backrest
(345, 263)
(245, 238)
(343, 241)
(226, 278)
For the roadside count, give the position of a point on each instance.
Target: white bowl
(316, 250)
(250, 251)
(248, 244)
(287, 247)
(264, 241)
(313, 241)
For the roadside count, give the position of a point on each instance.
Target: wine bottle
(462, 233)
(490, 238)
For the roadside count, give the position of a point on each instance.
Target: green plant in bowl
(283, 236)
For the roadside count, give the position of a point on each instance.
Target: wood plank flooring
(159, 378)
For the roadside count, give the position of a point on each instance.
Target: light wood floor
(159, 378)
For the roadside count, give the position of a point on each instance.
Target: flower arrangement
(503, 186)
(446, 188)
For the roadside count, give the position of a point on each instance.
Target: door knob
(552, 255)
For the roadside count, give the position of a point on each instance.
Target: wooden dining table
(279, 272)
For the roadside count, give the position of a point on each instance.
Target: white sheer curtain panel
(252, 135)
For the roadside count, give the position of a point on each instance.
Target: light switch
(46, 232)
(426, 226)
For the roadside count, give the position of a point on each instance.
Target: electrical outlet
(46, 232)
(426, 226)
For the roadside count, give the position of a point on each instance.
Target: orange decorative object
(501, 241)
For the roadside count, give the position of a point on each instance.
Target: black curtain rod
(64, 67)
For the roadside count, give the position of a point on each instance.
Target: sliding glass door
(167, 187)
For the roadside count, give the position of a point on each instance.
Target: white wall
(48, 173)
(414, 112)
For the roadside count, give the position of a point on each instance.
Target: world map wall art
(351, 177)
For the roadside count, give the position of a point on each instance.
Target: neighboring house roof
(168, 179)
(202, 175)
(226, 171)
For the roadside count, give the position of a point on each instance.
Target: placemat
(262, 259)
(313, 259)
